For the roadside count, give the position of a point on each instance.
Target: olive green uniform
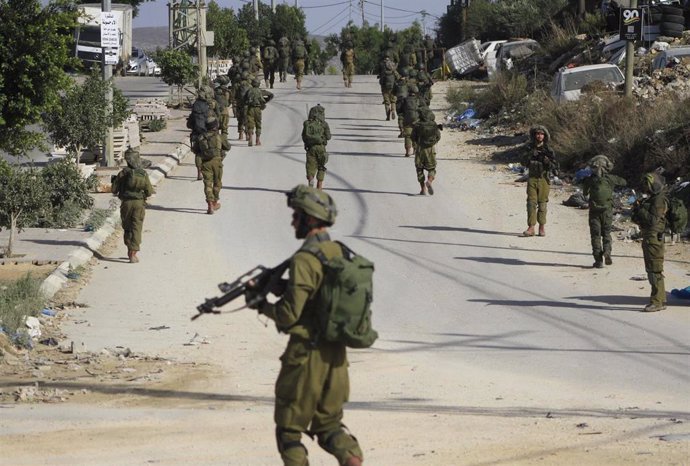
(254, 103)
(317, 157)
(425, 155)
(650, 215)
(132, 186)
(410, 117)
(347, 58)
(600, 192)
(313, 384)
(212, 165)
(541, 162)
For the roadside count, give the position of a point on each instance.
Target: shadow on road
(176, 209)
(463, 229)
(550, 304)
(508, 261)
(368, 191)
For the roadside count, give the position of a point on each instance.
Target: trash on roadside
(577, 200)
(682, 293)
(49, 341)
(48, 312)
(516, 168)
(466, 115)
(582, 174)
(33, 326)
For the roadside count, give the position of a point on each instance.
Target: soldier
(425, 135)
(408, 58)
(429, 47)
(242, 88)
(387, 79)
(211, 150)
(254, 103)
(424, 82)
(283, 58)
(540, 159)
(313, 383)
(599, 187)
(410, 109)
(203, 107)
(270, 58)
(255, 67)
(650, 215)
(391, 53)
(400, 92)
(222, 98)
(132, 186)
(315, 134)
(347, 58)
(299, 55)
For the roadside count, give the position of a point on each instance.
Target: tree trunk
(13, 233)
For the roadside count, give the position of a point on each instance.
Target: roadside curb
(84, 252)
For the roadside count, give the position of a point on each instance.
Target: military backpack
(387, 80)
(428, 133)
(314, 134)
(343, 301)
(676, 215)
(300, 51)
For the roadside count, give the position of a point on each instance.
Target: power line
(398, 9)
(325, 6)
(344, 10)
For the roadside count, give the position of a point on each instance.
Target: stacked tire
(672, 21)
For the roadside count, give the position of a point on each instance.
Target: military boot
(388, 115)
(250, 135)
(199, 176)
(132, 254)
(529, 231)
(542, 231)
(422, 191)
(319, 184)
(607, 259)
(258, 140)
(216, 205)
(598, 262)
(353, 461)
(651, 307)
(311, 182)
(241, 136)
(429, 187)
(210, 208)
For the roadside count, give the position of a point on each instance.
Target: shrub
(156, 125)
(331, 70)
(503, 94)
(19, 299)
(458, 97)
(69, 194)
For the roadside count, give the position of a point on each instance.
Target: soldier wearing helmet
(410, 113)
(240, 95)
(254, 103)
(204, 107)
(424, 82)
(540, 159)
(650, 215)
(315, 134)
(313, 383)
(270, 61)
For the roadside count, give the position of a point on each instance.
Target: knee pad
(288, 439)
(340, 443)
(542, 206)
(531, 205)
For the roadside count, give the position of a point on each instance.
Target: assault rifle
(261, 280)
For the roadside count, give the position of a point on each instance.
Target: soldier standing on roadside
(650, 215)
(599, 187)
(541, 162)
(254, 103)
(132, 186)
(315, 134)
(313, 384)
(270, 58)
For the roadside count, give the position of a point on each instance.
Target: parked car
(668, 56)
(488, 53)
(568, 82)
(510, 51)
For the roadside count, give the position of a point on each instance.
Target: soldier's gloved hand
(253, 298)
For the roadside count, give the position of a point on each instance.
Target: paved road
(469, 315)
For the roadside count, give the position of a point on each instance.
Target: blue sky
(325, 16)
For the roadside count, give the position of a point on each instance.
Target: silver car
(568, 82)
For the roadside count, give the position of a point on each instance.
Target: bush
(504, 94)
(156, 125)
(69, 194)
(458, 97)
(19, 299)
(331, 70)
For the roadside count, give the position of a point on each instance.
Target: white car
(568, 82)
(488, 51)
(669, 56)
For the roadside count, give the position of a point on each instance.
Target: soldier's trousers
(537, 198)
(317, 157)
(270, 73)
(212, 171)
(653, 253)
(312, 387)
(283, 65)
(132, 212)
(348, 72)
(241, 118)
(425, 159)
(600, 221)
(254, 120)
(299, 68)
(407, 134)
(224, 121)
(389, 100)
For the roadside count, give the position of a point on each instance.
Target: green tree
(68, 194)
(23, 200)
(34, 50)
(288, 21)
(230, 39)
(368, 41)
(258, 31)
(177, 69)
(82, 118)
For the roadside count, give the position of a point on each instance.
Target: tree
(258, 31)
(177, 69)
(82, 118)
(230, 39)
(68, 194)
(34, 50)
(23, 199)
(288, 21)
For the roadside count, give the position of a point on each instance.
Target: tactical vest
(314, 133)
(300, 51)
(254, 98)
(387, 80)
(411, 110)
(427, 133)
(132, 184)
(349, 56)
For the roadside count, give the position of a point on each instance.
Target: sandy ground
(138, 406)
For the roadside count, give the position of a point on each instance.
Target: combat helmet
(539, 129)
(245, 75)
(245, 54)
(252, 50)
(317, 112)
(312, 202)
(132, 158)
(600, 164)
(245, 65)
(653, 182)
(271, 42)
(413, 89)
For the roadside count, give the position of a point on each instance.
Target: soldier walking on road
(203, 108)
(347, 58)
(283, 58)
(222, 98)
(211, 150)
(599, 187)
(315, 134)
(410, 108)
(425, 135)
(299, 55)
(541, 162)
(270, 58)
(132, 186)
(254, 103)
(400, 92)
(313, 384)
(240, 95)
(387, 79)
(650, 215)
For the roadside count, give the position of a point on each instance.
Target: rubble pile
(675, 79)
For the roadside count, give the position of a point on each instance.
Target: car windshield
(578, 79)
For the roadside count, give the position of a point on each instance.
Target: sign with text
(110, 30)
(631, 23)
(111, 56)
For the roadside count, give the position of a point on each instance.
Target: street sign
(631, 23)
(111, 56)
(110, 30)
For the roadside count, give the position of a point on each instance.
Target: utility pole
(629, 60)
(201, 41)
(256, 10)
(361, 7)
(108, 156)
(424, 14)
(273, 6)
(381, 15)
